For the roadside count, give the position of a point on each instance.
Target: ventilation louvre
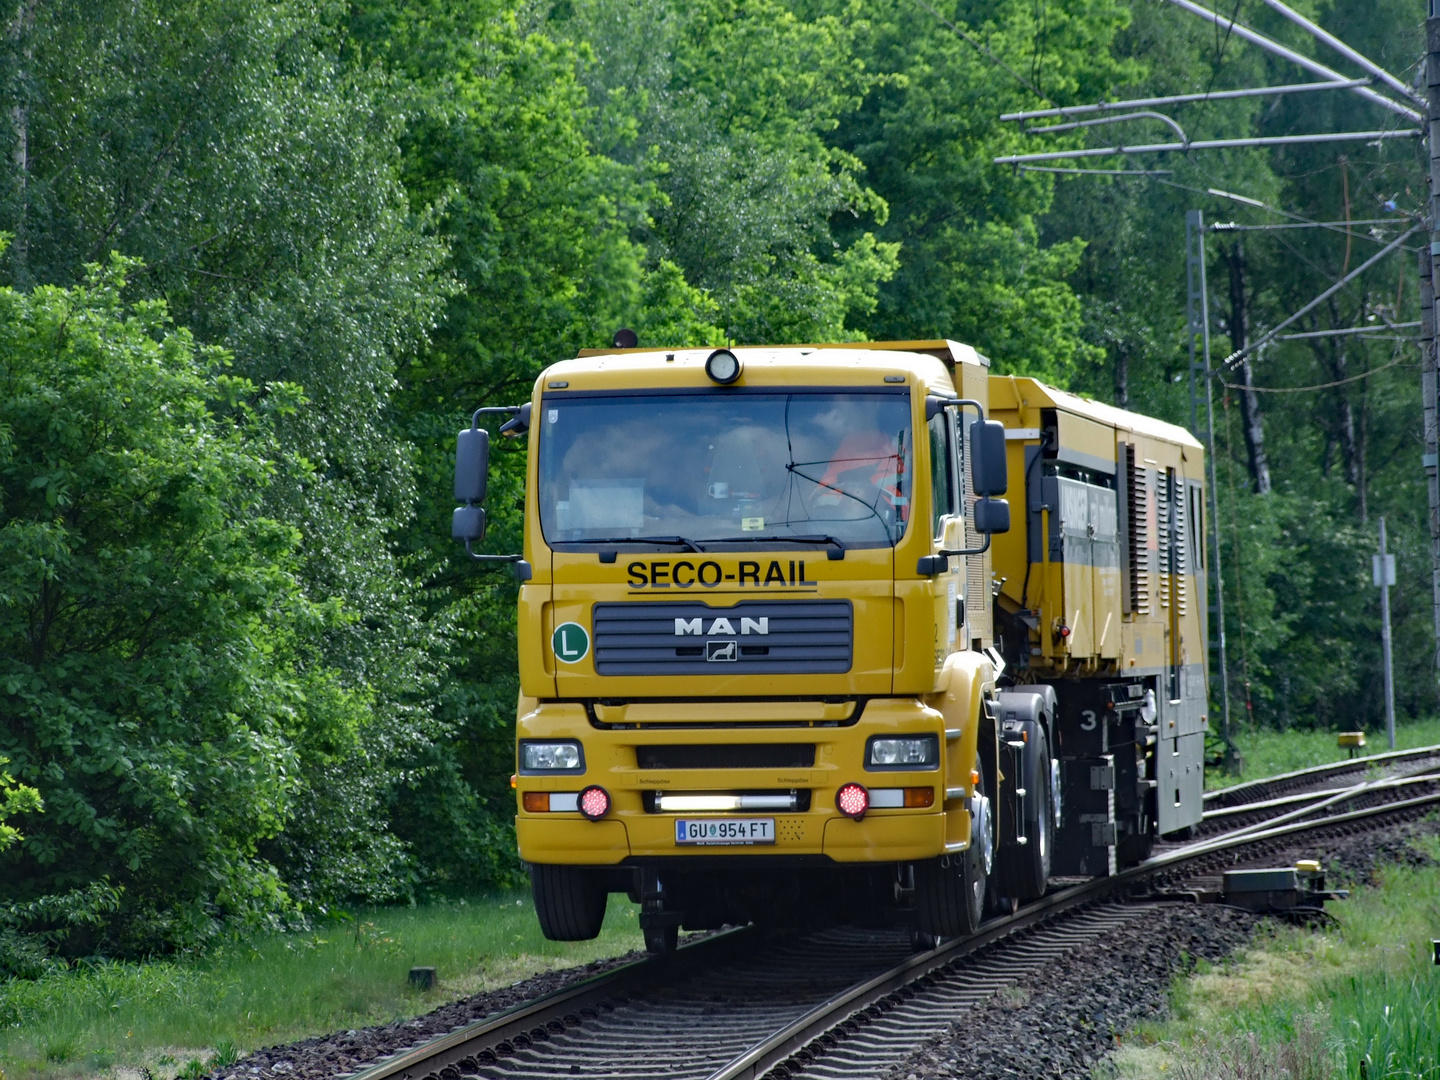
(1139, 518)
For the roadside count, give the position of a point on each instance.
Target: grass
(1268, 752)
(1361, 1001)
(178, 1018)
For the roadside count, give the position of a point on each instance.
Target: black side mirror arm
(517, 424)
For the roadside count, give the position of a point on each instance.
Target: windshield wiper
(837, 553)
(677, 541)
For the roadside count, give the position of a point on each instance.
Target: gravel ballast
(1058, 1023)
(348, 1051)
(1063, 1022)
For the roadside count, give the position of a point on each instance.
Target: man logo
(722, 650)
(722, 626)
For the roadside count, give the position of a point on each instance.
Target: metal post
(1384, 574)
(1198, 321)
(1427, 321)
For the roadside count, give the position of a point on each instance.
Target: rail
(537, 1020)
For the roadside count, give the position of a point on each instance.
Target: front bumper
(633, 830)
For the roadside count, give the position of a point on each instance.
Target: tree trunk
(1249, 400)
(1334, 356)
(20, 156)
(1122, 377)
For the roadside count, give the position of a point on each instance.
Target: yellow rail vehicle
(1102, 604)
(759, 676)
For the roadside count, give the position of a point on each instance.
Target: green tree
(724, 111)
(156, 655)
(257, 174)
(972, 263)
(1301, 650)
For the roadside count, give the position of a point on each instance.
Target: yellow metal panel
(537, 668)
(1085, 436)
(724, 712)
(885, 836)
(611, 761)
(571, 840)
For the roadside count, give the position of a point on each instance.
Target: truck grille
(727, 756)
(783, 637)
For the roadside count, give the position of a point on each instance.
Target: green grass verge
(172, 1018)
(1268, 752)
(1360, 1001)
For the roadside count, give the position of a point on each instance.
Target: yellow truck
(785, 657)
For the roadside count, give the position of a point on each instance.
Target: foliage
(971, 262)
(14, 799)
(153, 656)
(257, 175)
(1302, 617)
(725, 107)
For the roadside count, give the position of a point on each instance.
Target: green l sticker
(570, 642)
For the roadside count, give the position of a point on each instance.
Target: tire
(1022, 870)
(569, 901)
(950, 890)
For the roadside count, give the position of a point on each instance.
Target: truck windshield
(742, 465)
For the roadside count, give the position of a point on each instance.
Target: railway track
(847, 1002)
(1305, 780)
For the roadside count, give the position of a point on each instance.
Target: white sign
(1382, 569)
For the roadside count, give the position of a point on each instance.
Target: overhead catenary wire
(1096, 172)
(1248, 201)
(1214, 144)
(1239, 354)
(1250, 388)
(1269, 45)
(1347, 330)
(1365, 64)
(1094, 121)
(1181, 99)
(1231, 226)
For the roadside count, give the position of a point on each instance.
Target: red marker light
(594, 802)
(1064, 631)
(852, 800)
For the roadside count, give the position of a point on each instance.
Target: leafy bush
(154, 656)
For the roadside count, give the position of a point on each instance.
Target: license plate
(725, 830)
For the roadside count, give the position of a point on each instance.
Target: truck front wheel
(569, 901)
(950, 890)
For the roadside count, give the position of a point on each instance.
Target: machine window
(942, 484)
(740, 464)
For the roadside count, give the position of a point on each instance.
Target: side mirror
(987, 460)
(991, 516)
(518, 424)
(472, 466)
(468, 523)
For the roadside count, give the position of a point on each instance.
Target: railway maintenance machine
(786, 655)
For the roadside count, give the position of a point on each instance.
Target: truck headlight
(902, 752)
(551, 757)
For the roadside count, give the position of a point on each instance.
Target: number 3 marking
(1087, 720)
